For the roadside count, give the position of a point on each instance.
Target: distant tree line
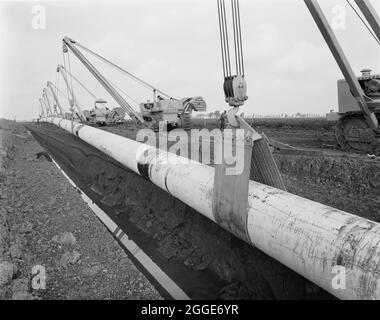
(216, 115)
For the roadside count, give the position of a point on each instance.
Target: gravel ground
(44, 222)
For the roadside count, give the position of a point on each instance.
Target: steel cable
(362, 20)
(142, 82)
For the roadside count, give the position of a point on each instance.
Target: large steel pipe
(338, 251)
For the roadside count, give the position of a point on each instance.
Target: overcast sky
(175, 46)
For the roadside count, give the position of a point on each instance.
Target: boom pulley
(235, 86)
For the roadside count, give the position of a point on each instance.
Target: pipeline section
(336, 250)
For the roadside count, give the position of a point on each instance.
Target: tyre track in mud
(205, 260)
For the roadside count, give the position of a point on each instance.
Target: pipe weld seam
(77, 129)
(145, 161)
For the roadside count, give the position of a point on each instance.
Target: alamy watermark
(338, 20)
(218, 147)
(38, 277)
(39, 17)
(338, 281)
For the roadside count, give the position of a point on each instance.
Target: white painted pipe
(314, 240)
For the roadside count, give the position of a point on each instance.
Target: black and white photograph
(185, 156)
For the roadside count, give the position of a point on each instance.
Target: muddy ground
(202, 258)
(44, 222)
(317, 133)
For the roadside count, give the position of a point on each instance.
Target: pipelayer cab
(352, 130)
(358, 116)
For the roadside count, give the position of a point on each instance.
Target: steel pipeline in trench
(162, 279)
(229, 258)
(168, 277)
(152, 268)
(307, 236)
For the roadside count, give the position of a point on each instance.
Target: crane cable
(62, 93)
(54, 102)
(224, 39)
(67, 96)
(237, 36)
(68, 99)
(92, 94)
(238, 44)
(48, 93)
(56, 85)
(142, 82)
(69, 93)
(130, 110)
(145, 84)
(64, 64)
(365, 24)
(122, 91)
(69, 71)
(81, 84)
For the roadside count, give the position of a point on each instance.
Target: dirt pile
(10, 252)
(348, 183)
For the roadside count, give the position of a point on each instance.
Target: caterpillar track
(354, 134)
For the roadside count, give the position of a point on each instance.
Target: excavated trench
(206, 261)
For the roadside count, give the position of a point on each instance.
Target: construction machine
(352, 130)
(259, 164)
(100, 114)
(75, 106)
(358, 115)
(163, 109)
(56, 101)
(46, 101)
(173, 113)
(43, 113)
(54, 90)
(117, 115)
